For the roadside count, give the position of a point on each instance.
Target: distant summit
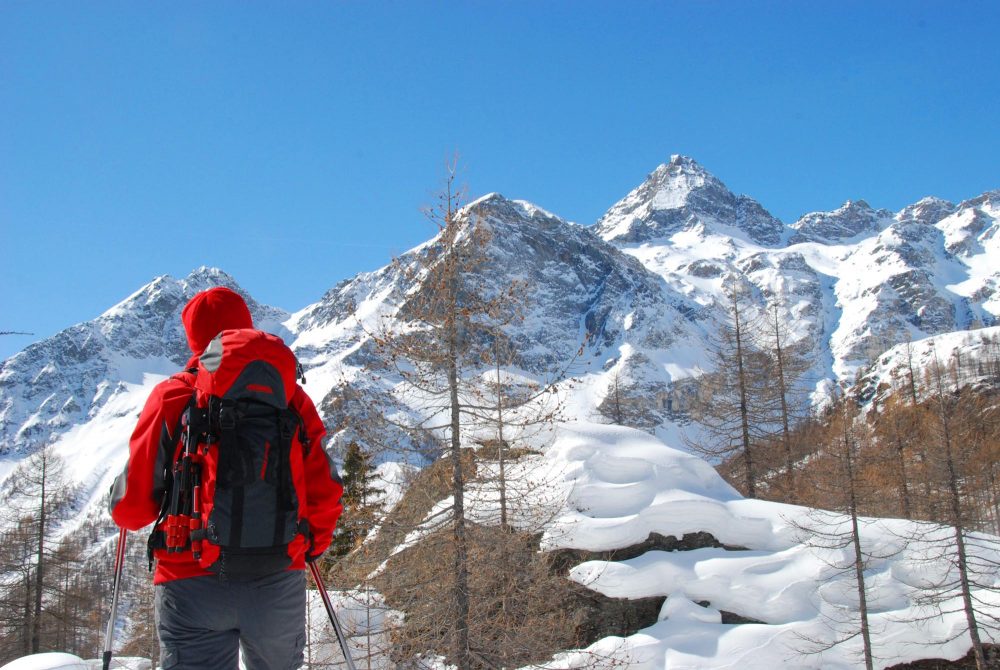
(854, 218)
(62, 380)
(682, 194)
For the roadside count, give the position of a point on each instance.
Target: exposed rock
(564, 559)
(967, 662)
(854, 218)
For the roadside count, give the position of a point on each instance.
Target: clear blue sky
(294, 144)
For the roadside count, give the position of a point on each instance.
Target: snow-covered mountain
(968, 357)
(64, 381)
(644, 284)
(679, 195)
(852, 282)
(581, 286)
(643, 287)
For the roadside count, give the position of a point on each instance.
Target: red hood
(211, 312)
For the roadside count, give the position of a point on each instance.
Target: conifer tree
(783, 399)
(360, 500)
(896, 430)
(428, 346)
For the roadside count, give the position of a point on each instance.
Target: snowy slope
(976, 352)
(751, 589)
(759, 592)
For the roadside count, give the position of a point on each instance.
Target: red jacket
(138, 491)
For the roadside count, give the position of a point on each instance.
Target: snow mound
(57, 660)
(772, 595)
(47, 661)
(626, 484)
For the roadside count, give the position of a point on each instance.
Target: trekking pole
(333, 616)
(119, 563)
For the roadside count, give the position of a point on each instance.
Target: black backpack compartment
(255, 507)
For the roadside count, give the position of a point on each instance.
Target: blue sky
(294, 144)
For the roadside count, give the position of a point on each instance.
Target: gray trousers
(203, 621)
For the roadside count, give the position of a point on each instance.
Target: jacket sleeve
(138, 491)
(324, 487)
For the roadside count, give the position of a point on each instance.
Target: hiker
(256, 498)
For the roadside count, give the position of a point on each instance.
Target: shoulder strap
(300, 428)
(186, 376)
(156, 535)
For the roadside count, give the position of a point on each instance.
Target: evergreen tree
(361, 500)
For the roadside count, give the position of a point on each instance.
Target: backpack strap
(157, 538)
(229, 457)
(187, 376)
(300, 426)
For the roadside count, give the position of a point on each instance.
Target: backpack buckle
(227, 415)
(285, 429)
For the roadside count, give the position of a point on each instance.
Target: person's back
(227, 459)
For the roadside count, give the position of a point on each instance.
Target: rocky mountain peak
(681, 194)
(495, 205)
(141, 334)
(927, 210)
(684, 169)
(989, 200)
(673, 185)
(167, 295)
(852, 219)
(682, 161)
(206, 277)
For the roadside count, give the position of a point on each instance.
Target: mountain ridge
(922, 271)
(50, 385)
